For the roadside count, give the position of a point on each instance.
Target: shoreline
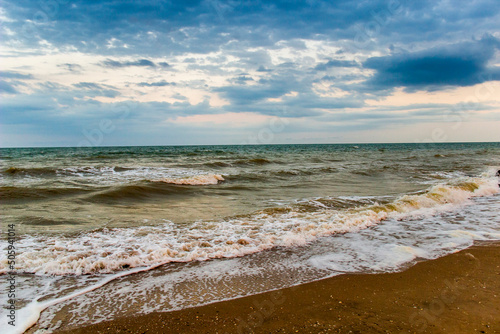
(457, 293)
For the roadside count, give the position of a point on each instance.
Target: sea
(105, 232)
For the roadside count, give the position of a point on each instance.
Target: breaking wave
(117, 249)
(197, 180)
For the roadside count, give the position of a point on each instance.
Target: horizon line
(270, 144)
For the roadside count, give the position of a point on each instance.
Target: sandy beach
(458, 293)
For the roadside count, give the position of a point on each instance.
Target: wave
(263, 175)
(196, 180)
(109, 175)
(156, 188)
(252, 162)
(217, 164)
(102, 191)
(290, 172)
(14, 194)
(19, 171)
(69, 171)
(142, 191)
(40, 221)
(117, 249)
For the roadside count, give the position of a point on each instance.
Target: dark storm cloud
(205, 24)
(461, 64)
(155, 27)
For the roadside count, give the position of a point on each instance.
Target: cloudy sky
(124, 72)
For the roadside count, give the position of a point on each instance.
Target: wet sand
(459, 293)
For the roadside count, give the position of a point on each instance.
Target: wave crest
(196, 180)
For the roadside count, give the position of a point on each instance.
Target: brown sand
(459, 293)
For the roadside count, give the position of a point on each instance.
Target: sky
(124, 72)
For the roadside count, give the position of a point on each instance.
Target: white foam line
(31, 312)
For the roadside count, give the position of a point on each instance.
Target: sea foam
(196, 180)
(118, 249)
